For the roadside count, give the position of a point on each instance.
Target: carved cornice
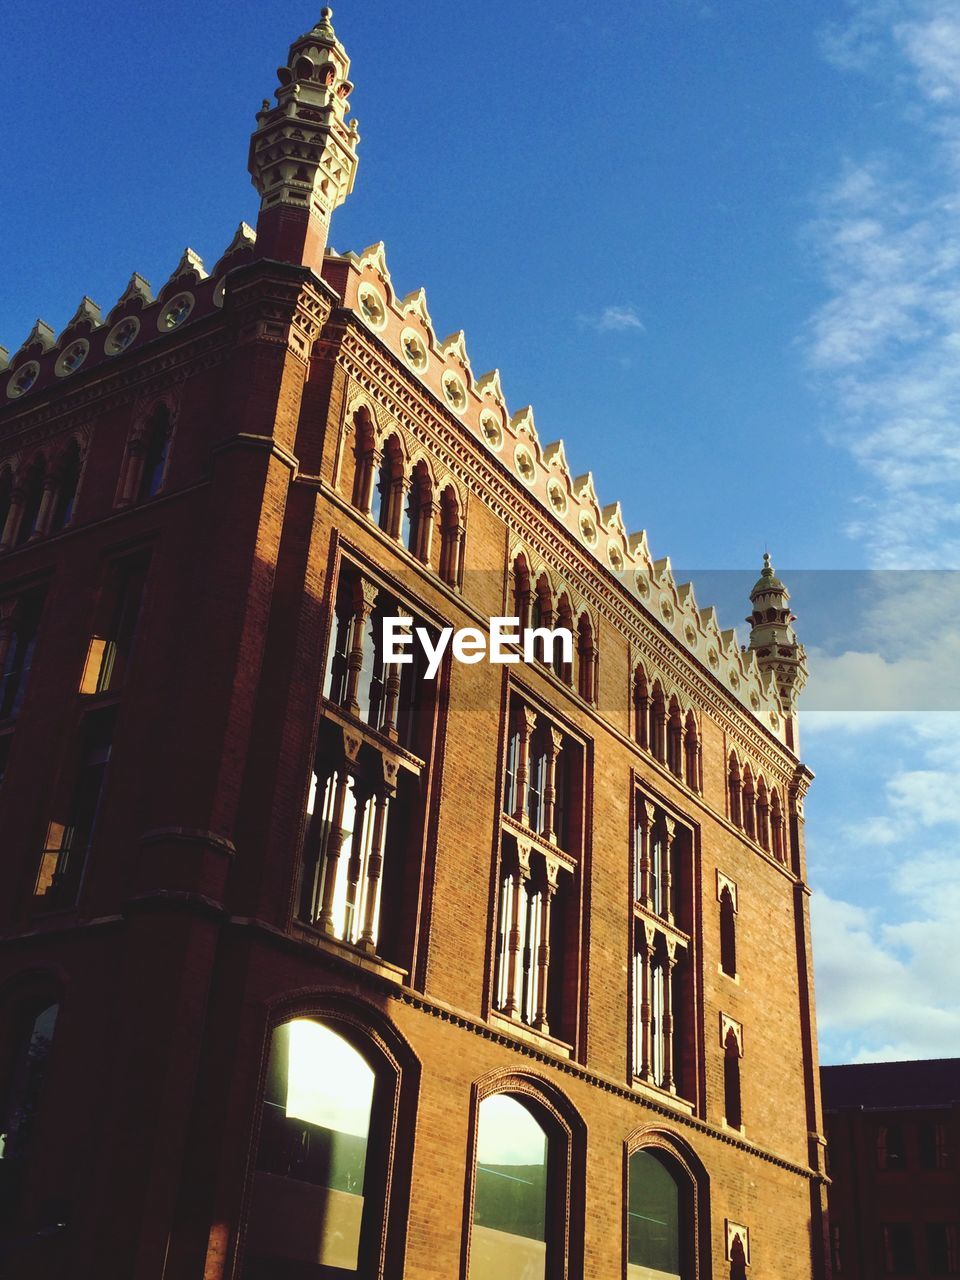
(373, 370)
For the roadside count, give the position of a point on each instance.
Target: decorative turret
(303, 155)
(773, 640)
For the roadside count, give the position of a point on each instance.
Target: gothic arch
(567, 1134)
(671, 1148)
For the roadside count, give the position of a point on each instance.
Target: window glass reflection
(653, 1220)
(308, 1201)
(510, 1196)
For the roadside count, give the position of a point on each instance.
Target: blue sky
(716, 246)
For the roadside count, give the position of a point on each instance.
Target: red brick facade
(242, 507)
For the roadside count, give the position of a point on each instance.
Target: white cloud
(613, 319)
(885, 341)
(888, 967)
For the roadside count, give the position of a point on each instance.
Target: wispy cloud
(613, 319)
(888, 969)
(885, 343)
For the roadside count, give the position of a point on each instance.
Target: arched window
(541, 614)
(365, 462)
(675, 739)
(749, 804)
(728, 932)
(734, 791)
(16, 652)
(23, 1075)
(385, 500)
(66, 492)
(155, 453)
(691, 750)
(510, 1226)
(522, 593)
(417, 524)
(561, 668)
(31, 498)
(586, 659)
(451, 538)
(659, 1238)
(732, 1107)
(641, 708)
(658, 723)
(317, 1204)
(778, 841)
(6, 497)
(762, 821)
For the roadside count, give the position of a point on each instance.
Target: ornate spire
(773, 640)
(303, 155)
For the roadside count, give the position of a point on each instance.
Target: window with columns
(365, 806)
(114, 626)
(19, 622)
(406, 503)
(663, 1050)
(143, 474)
(40, 499)
(538, 886)
(661, 727)
(756, 808)
(70, 834)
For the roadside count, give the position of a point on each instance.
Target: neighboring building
(311, 967)
(893, 1131)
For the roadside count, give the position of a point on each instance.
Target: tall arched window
(728, 932)
(6, 497)
(658, 723)
(417, 523)
(658, 1217)
(365, 460)
(66, 493)
(156, 451)
(451, 537)
(525, 1213)
(675, 739)
(24, 1073)
(732, 1105)
(31, 498)
(317, 1205)
(586, 659)
(561, 667)
(385, 505)
(691, 751)
(734, 791)
(510, 1227)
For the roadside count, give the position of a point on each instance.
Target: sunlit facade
(313, 966)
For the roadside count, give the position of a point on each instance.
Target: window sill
(731, 977)
(540, 1038)
(367, 960)
(730, 1128)
(653, 1091)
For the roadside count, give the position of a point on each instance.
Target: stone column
(521, 878)
(645, 954)
(331, 853)
(554, 741)
(365, 598)
(371, 898)
(44, 514)
(670, 831)
(356, 865)
(372, 462)
(12, 525)
(645, 816)
(425, 521)
(549, 889)
(668, 1080)
(132, 471)
(525, 722)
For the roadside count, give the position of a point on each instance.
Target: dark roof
(930, 1083)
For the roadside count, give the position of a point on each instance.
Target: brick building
(894, 1132)
(309, 965)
